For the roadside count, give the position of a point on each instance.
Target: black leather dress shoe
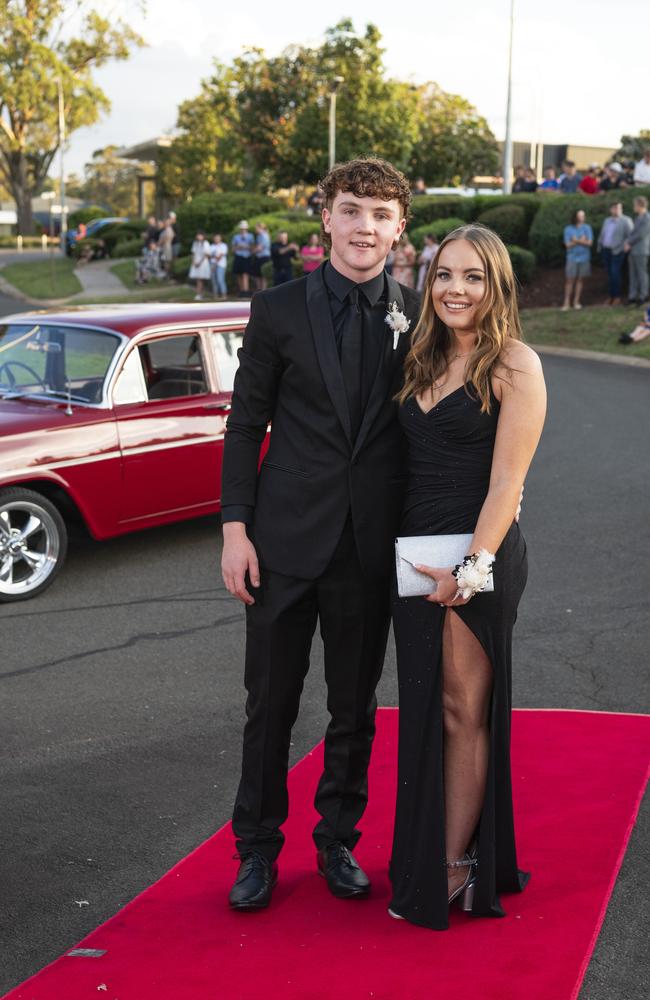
(344, 876)
(254, 884)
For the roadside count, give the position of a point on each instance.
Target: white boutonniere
(397, 321)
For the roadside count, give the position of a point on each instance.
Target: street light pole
(507, 146)
(334, 86)
(63, 230)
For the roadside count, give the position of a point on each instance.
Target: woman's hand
(446, 587)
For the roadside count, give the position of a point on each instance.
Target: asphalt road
(121, 699)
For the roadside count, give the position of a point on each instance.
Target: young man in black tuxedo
(310, 537)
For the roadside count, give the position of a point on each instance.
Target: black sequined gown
(450, 457)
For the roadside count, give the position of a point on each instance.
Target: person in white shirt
(642, 170)
(218, 263)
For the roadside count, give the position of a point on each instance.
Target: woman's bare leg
(467, 686)
(578, 292)
(568, 287)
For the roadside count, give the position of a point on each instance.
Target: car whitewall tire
(33, 543)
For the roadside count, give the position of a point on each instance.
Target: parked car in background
(112, 415)
(93, 230)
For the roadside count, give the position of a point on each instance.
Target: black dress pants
(354, 621)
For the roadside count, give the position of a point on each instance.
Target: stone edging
(573, 352)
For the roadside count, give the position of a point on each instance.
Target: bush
(439, 228)
(296, 264)
(523, 263)
(180, 267)
(86, 214)
(219, 213)
(508, 222)
(28, 241)
(88, 248)
(428, 207)
(118, 232)
(131, 247)
(547, 231)
(298, 225)
(529, 202)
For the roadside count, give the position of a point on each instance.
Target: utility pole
(334, 86)
(64, 218)
(507, 146)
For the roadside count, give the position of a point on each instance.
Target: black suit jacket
(314, 473)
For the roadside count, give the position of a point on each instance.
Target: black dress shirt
(372, 302)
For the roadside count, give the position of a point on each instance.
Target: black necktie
(351, 345)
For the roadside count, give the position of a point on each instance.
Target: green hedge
(118, 232)
(86, 214)
(131, 247)
(546, 233)
(438, 228)
(508, 222)
(28, 241)
(529, 202)
(429, 207)
(296, 264)
(523, 263)
(219, 213)
(298, 225)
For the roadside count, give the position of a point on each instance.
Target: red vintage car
(115, 415)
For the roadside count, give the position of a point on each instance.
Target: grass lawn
(52, 278)
(594, 328)
(148, 293)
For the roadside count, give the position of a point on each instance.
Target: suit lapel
(386, 368)
(320, 318)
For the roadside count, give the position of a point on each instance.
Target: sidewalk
(97, 280)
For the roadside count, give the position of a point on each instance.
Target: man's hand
(238, 558)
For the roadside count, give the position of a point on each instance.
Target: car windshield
(42, 359)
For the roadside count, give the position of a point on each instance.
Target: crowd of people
(161, 243)
(621, 241)
(612, 176)
(251, 251)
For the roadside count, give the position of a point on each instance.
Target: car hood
(36, 436)
(24, 415)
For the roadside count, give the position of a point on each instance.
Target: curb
(573, 352)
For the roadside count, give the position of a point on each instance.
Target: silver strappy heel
(463, 896)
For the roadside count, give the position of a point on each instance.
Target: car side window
(173, 367)
(225, 344)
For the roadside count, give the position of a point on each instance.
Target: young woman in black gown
(472, 410)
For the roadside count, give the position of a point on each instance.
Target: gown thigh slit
(450, 457)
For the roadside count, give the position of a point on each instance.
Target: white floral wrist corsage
(472, 573)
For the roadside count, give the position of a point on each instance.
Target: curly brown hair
(365, 177)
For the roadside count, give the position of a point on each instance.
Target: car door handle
(224, 407)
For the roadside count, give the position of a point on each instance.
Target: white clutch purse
(428, 550)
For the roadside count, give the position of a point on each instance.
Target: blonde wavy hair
(497, 321)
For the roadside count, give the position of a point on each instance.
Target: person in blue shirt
(261, 254)
(578, 239)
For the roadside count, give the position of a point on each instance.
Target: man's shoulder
(279, 295)
(412, 298)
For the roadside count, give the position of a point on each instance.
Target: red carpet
(578, 779)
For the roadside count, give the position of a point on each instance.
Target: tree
(263, 122)
(455, 143)
(633, 146)
(111, 181)
(207, 154)
(35, 54)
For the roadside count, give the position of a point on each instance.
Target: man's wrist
(234, 529)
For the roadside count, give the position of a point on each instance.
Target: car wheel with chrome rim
(33, 543)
